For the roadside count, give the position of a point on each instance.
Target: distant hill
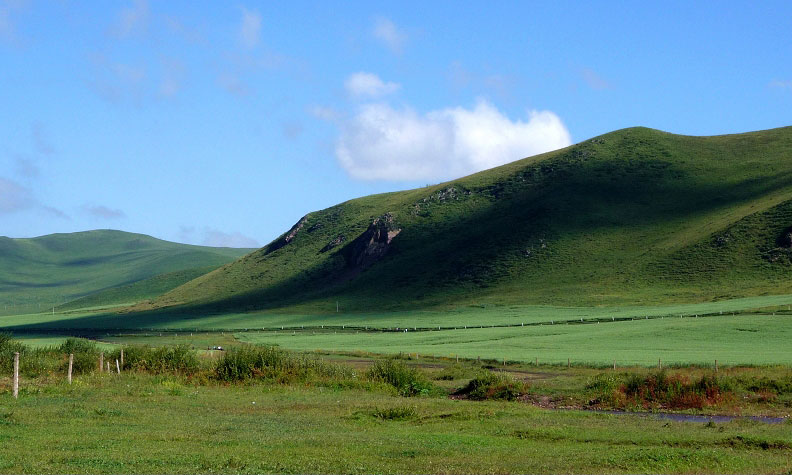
(634, 216)
(49, 270)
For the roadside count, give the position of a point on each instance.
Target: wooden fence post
(71, 364)
(108, 366)
(614, 365)
(16, 375)
(716, 366)
(659, 364)
(118, 368)
(122, 357)
(569, 364)
(101, 361)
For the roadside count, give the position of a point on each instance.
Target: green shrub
(270, 362)
(453, 372)
(492, 385)
(605, 382)
(395, 413)
(33, 362)
(9, 346)
(85, 352)
(407, 381)
(177, 358)
(673, 391)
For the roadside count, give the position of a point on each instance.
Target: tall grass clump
(9, 346)
(493, 385)
(407, 381)
(176, 358)
(33, 362)
(86, 354)
(676, 391)
(270, 362)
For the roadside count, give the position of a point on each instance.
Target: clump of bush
(676, 391)
(270, 362)
(33, 362)
(454, 372)
(8, 347)
(407, 381)
(395, 413)
(178, 358)
(86, 354)
(494, 385)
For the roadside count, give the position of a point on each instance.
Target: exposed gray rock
(373, 244)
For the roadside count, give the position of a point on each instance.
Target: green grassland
(732, 340)
(477, 315)
(39, 273)
(142, 423)
(634, 217)
(627, 335)
(257, 409)
(130, 294)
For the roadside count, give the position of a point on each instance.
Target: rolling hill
(45, 271)
(636, 216)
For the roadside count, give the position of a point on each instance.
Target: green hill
(636, 216)
(42, 272)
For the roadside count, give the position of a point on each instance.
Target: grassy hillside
(137, 291)
(50, 270)
(633, 216)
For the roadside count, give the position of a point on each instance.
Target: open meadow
(256, 409)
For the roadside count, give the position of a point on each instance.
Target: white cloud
(781, 84)
(103, 212)
(132, 19)
(41, 140)
(594, 80)
(172, 77)
(389, 34)
(8, 9)
(250, 29)
(325, 113)
(234, 84)
(26, 166)
(383, 143)
(216, 238)
(367, 84)
(6, 27)
(14, 197)
(116, 82)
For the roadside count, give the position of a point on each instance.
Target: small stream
(697, 418)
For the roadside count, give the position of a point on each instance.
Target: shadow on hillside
(564, 196)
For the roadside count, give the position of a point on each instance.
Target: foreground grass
(138, 423)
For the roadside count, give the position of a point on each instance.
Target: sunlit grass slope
(49, 270)
(636, 216)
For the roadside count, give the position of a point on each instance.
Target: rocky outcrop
(286, 238)
(334, 243)
(373, 244)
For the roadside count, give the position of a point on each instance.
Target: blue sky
(222, 123)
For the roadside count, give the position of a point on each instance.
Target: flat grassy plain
(732, 340)
(137, 423)
(551, 334)
(478, 315)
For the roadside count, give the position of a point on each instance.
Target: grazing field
(742, 339)
(480, 315)
(170, 425)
